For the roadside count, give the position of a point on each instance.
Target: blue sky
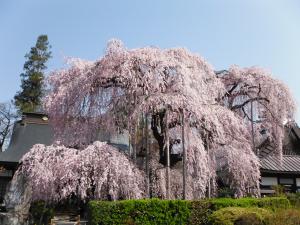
(264, 33)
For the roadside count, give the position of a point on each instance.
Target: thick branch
(235, 107)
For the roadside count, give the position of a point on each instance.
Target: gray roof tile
(290, 163)
(24, 137)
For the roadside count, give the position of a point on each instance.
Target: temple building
(285, 172)
(33, 128)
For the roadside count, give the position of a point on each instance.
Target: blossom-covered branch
(99, 171)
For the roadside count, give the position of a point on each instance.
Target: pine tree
(32, 88)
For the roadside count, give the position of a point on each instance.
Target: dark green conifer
(32, 86)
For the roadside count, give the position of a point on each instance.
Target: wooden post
(135, 133)
(136, 138)
(129, 139)
(147, 158)
(183, 156)
(209, 192)
(208, 161)
(167, 157)
(78, 220)
(252, 128)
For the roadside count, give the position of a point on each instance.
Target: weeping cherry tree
(222, 116)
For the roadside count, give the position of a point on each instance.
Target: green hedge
(268, 202)
(152, 211)
(200, 211)
(155, 211)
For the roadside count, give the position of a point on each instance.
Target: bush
(294, 199)
(151, 211)
(171, 211)
(225, 192)
(200, 211)
(38, 210)
(274, 203)
(235, 215)
(279, 190)
(249, 219)
(286, 217)
(268, 202)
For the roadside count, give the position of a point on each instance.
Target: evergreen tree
(32, 87)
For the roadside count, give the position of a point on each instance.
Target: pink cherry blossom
(99, 171)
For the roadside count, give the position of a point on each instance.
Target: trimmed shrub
(294, 199)
(155, 211)
(200, 211)
(285, 217)
(235, 215)
(268, 202)
(151, 211)
(249, 219)
(274, 203)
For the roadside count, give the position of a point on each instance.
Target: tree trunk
(158, 129)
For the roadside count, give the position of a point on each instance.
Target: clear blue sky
(265, 33)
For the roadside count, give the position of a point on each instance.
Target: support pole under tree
(167, 157)
(136, 133)
(183, 156)
(252, 127)
(147, 157)
(129, 139)
(208, 162)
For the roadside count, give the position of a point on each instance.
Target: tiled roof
(25, 135)
(290, 163)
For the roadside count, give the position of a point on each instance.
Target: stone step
(69, 223)
(64, 218)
